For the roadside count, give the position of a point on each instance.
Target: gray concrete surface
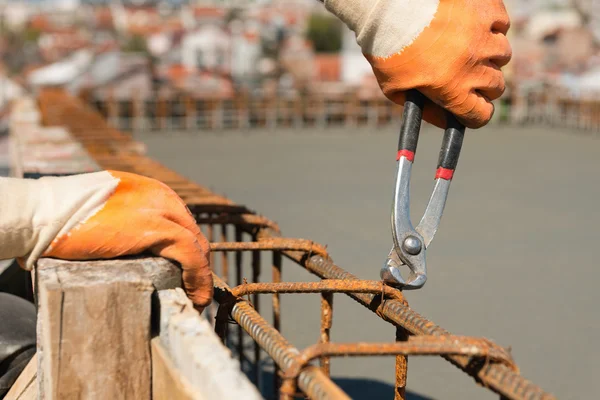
(514, 260)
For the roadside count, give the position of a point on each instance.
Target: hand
(450, 50)
(103, 215)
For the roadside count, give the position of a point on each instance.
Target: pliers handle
(411, 243)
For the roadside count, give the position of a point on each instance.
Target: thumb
(192, 253)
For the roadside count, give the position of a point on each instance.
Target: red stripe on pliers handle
(410, 155)
(444, 173)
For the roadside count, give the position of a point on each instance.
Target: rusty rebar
(224, 256)
(276, 272)
(238, 281)
(327, 285)
(326, 324)
(200, 206)
(256, 302)
(281, 244)
(210, 236)
(205, 203)
(401, 367)
(420, 346)
(212, 308)
(311, 380)
(237, 219)
(496, 377)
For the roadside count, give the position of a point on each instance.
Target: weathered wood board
(25, 388)
(197, 354)
(94, 326)
(167, 382)
(37, 150)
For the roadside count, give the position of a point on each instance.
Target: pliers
(410, 244)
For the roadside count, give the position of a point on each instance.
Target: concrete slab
(514, 260)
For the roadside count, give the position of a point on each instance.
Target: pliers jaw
(410, 244)
(390, 273)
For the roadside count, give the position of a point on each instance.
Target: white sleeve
(34, 212)
(384, 27)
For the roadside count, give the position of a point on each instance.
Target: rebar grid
(489, 364)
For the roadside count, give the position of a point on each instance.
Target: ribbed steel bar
(496, 377)
(276, 272)
(238, 281)
(256, 267)
(210, 236)
(327, 285)
(326, 323)
(401, 367)
(237, 219)
(311, 380)
(282, 244)
(420, 346)
(225, 258)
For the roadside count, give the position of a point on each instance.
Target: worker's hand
(450, 50)
(103, 215)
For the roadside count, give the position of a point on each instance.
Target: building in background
(224, 47)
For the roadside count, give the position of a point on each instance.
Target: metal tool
(410, 244)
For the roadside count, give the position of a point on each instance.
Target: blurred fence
(180, 112)
(557, 108)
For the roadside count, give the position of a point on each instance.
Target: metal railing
(178, 112)
(557, 108)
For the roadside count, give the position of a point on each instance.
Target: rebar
(306, 246)
(276, 272)
(325, 286)
(488, 364)
(312, 381)
(401, 367)
(326, 323)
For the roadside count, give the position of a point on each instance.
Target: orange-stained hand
(140, 215)
(450, 50)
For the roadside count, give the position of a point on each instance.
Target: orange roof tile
(203, 12)
(103, 17)
(328, 67)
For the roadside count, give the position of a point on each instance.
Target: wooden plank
(50, 151)
(37, 150)
(167, 382)
(197, 353)
(94, 326)
(25, 387)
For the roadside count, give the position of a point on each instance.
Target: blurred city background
(182, 64)
(273, 104)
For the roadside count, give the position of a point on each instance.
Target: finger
(471, 102)
(491, 83)
(432, 113)
(178, 212)
(476, 112)
(435, 115)
(155, 195)
(205, 248)
(192, 253)
(171, 206)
